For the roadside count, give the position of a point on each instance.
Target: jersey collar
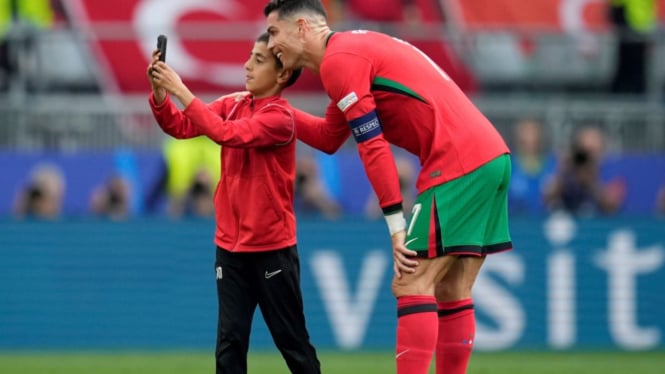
(328, 37)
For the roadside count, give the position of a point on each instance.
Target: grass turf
(331, 363)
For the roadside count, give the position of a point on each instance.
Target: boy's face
(261, 70)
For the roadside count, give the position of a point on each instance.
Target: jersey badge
(347, 101)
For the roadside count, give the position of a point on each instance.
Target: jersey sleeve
(171, 120)
(347, 78)
(271, 125)
(325, 134)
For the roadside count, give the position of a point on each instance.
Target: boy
(257, 260)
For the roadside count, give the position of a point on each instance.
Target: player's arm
(325, 134)
(381, 171)
(272, 125)
(351, 93)
(380, 168)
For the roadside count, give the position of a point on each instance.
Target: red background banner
(209, 40)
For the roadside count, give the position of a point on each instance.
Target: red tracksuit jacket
(254, 196)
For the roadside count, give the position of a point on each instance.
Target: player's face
(261, 72)
(285, 41)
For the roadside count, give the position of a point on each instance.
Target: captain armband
(365, 127)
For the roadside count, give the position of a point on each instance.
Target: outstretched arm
(169, 117)
(325, 134)
(165, 77)
(158, 92)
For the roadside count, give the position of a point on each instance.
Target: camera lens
(580, 157)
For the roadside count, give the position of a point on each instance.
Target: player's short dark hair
(286, 8)
(295, 74)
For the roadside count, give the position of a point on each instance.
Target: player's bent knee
(412, 284)
(423, 281)
(459, 279)
(428, 273)
(450, 290)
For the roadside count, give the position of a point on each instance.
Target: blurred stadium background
(73, 101)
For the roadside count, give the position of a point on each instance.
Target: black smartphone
(161, 46)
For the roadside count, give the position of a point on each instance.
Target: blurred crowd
(574, 179)
(23, 24)
(546, 178)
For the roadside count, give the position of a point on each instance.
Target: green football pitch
(331, 363)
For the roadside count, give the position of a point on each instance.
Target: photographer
(42, 197)
(577, 187)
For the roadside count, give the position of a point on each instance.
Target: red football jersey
(419, 108)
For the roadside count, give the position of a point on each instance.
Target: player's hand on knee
(403, 258)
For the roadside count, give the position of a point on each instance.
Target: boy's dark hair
(295, 74)
(286, 8)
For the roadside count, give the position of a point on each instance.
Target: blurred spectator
(111, 200)
(20, 21)
(311, 194)
(633, 21)
(407, 172)
(532, 166)
(198, 200)
(42, 198)
(577, 186)
(126, 168)
(191, 171)
(61, 18)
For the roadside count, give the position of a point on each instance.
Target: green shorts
(465, 216)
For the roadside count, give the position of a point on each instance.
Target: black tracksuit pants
(270, 280)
